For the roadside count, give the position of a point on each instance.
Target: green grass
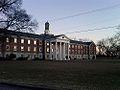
(77, 75)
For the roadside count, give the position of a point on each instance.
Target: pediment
(62, 36)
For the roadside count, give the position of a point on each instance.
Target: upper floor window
(81, 47)
(28, 41)
(72, 46)
(40, 42)
(69, 46)
(22, 40)
(7, 39)
(15, 40)
(48, 43)
(35, 42)
(75, 46)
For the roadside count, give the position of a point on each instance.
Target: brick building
(44, 46)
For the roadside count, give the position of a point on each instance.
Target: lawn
(76, 75)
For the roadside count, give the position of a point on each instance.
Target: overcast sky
(50, 10)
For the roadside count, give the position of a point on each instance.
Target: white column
(56, 50)
(68, 52)
(63, 51)
(60, 51)
(51, 51)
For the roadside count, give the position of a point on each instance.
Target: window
(22, 40)
(7, 47)
(47, 43)
(40, 49)
(7, 39)
(35, 42)
(15, 48)
(47, 56)
(81, 47)
(22, 48)
(78, 51)
(52, 50)
(72, 46)
(75, 46)
(15, 40)
(28, 41)
(28, 49)
(35, 49)
(48, 50)
(40, 42)
(69, 46)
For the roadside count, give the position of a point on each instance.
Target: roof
(87, 43)
(41, 36)
(75, 41)
(47, 36)
(81, 42)
(9, 32)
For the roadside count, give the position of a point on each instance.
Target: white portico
(58, 45)
(59, 48)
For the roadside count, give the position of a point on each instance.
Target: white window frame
(35, 49)
(47, 49)
(22, 40)
(28, 49)
(72, 46)
(15, 40)
(7, 39)
(15, 48)
(22, 48)
(48, 44)
(28, 41)
(35, 42)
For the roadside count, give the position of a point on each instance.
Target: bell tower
(47, 31)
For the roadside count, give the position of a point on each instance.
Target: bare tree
(8, 5)
(101, 46)
(13, 17)
(110, 46)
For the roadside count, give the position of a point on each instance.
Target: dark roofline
(81, 42)
(18, 33)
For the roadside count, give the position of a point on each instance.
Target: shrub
(37, 58)
(22, 58)
(10, 57)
